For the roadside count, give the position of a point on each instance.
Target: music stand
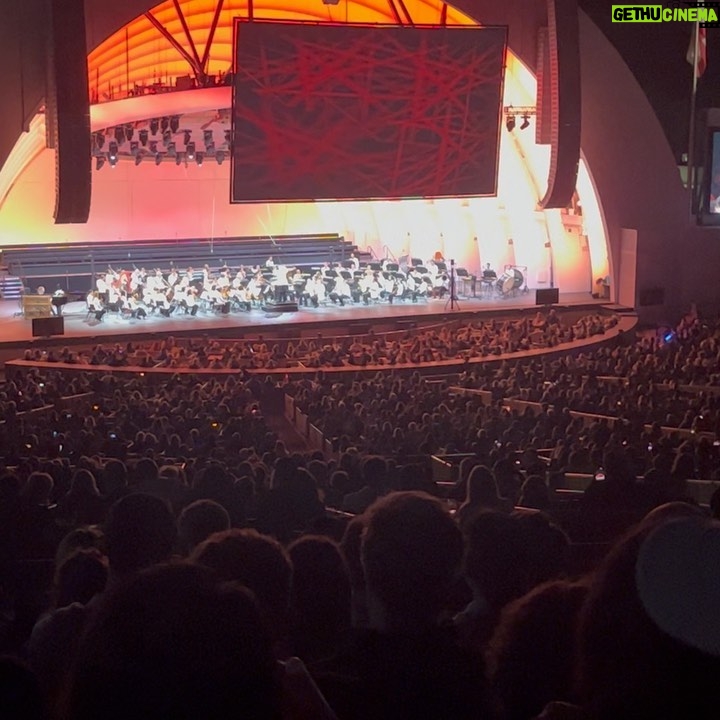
(452, 300)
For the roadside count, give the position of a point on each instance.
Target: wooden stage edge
(331, 320)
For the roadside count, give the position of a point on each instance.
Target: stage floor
(16, 330)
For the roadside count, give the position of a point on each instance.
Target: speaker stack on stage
(547, 296)
(48, 326)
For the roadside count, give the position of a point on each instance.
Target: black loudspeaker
(562, 64)
(69, 89)
(547, 296)
(47, 326)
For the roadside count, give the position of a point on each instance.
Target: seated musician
(315, 290)
(354, 262)
(298, 283)
(131, 305)
(341, 291)
(489, 275)
(239, 297)
(173, 278)
(113, 298)
(101, 285)
(188, 300)
(270, 263)
(95, 304)
(59, 299)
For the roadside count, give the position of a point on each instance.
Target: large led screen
(324, 112)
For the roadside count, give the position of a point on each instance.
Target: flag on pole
(698, 40)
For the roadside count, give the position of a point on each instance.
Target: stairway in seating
(10, 287)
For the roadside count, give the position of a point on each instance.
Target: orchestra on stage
(138, 293)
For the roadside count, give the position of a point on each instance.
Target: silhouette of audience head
(198, 521)
(257, 561)
(411, 554)
(175, 643)
(140, 532)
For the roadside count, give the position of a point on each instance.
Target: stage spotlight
(129, 132)
(158, 158)
(154, 126)
(186, 136)
(207, 136)
(525, 122)
(99, 140)
(199, 157)
(134, 148)
(138, 159)
(165, 124)
(510, 123)
(220, 156)
(171, 149)
(113, 152)
(175, 123)
(179, 158)
(119, 135)
(190, 149)
(99, 162)
(153, 146)
(167, 137)
(210, 148)
(228, 137)
(143, 135)
(112, 160)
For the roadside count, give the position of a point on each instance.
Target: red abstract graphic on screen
(349, 112)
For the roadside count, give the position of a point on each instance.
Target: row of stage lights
(513, 113)
(146, 147)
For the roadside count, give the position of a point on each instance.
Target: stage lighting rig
(99, 139)
(134, 148)
(165, 124)
(187, 134)
(199, 157)
(220, 156)
(99, 162)
(129, 132)
(175, 123)
(143, 135)
(158, 158)
(154, 123)
(153, 146)
(113, 152)
(179, 158)
(513, 113)
(119, 135)
(190, 151)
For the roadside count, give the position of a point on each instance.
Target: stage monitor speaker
(71, 106)
(547, 296)
(48, 326)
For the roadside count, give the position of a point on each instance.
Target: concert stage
(81, 328)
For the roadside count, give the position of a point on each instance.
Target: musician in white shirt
(94, 304)
(341, 291)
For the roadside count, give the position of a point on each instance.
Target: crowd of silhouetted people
(425, 345)
(164, 552)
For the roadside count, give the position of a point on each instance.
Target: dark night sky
(656, 55)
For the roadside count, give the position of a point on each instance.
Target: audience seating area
(531, 536)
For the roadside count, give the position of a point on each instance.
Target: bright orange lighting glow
(139, 55)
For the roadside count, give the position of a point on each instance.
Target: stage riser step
(10, 287)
